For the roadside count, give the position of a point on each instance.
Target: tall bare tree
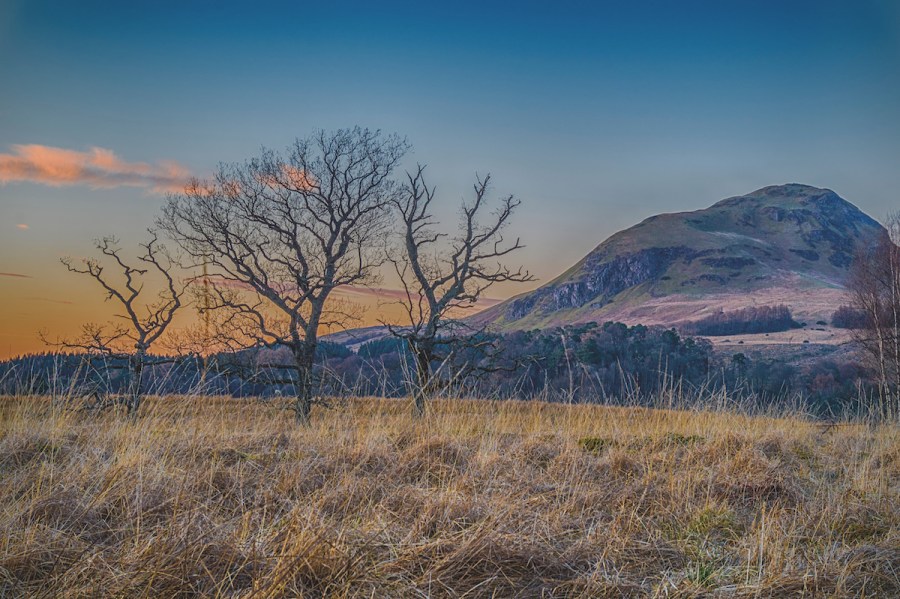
(279, 233)
(874, 287)
(142, 317)
(442, 276)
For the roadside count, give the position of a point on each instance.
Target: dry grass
(212, 497)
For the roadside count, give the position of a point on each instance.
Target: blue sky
(596, 114)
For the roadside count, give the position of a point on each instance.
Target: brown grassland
(213, 497)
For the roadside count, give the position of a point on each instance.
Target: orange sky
(59, 304)
(38, 294)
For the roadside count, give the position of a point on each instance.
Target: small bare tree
(442, 277)
(874, 287)
(142, 317)
(279, 233)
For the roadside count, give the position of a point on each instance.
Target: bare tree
(280, 232)
(874, 287)
(140, 322)
(441, 277)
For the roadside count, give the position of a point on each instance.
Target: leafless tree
(142, 317)
(874, 287)
(280, 232)
(442, 277)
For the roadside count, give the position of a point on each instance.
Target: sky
(596, 114)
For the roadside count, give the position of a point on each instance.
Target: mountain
(784, 244)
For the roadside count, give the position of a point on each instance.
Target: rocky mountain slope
(790, 244)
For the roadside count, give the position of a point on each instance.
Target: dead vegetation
(226, 498)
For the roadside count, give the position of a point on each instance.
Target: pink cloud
(97, 167)
(22, 226)
(15, 275)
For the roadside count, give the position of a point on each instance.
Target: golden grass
(214, 497)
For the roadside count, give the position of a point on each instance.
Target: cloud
(349, 292)
(97, 167)
(50, 300)
(22, 226)
(15, 275)
(382, 293)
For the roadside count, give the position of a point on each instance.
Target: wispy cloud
(15, 275)
(349, 292)
(384, 294)
(22, 227)
(97, 167)
(50, 301)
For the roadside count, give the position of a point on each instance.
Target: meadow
(215, 497)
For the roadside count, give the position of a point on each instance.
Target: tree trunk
(884, 388)
(424, 354)
(894, 282)
(134, 396)
(304, 358)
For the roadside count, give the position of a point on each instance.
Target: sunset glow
(595, 115)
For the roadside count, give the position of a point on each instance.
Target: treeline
(755, 319)
(248, 373)
(611, 363)
(581, 362)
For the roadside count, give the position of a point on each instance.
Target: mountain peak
(792, 237)
(787, 193)
(790, 189)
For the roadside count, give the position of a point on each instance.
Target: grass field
(228, 498)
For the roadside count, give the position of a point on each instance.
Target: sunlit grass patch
(217, 497)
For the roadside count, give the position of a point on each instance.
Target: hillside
(785, 244)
